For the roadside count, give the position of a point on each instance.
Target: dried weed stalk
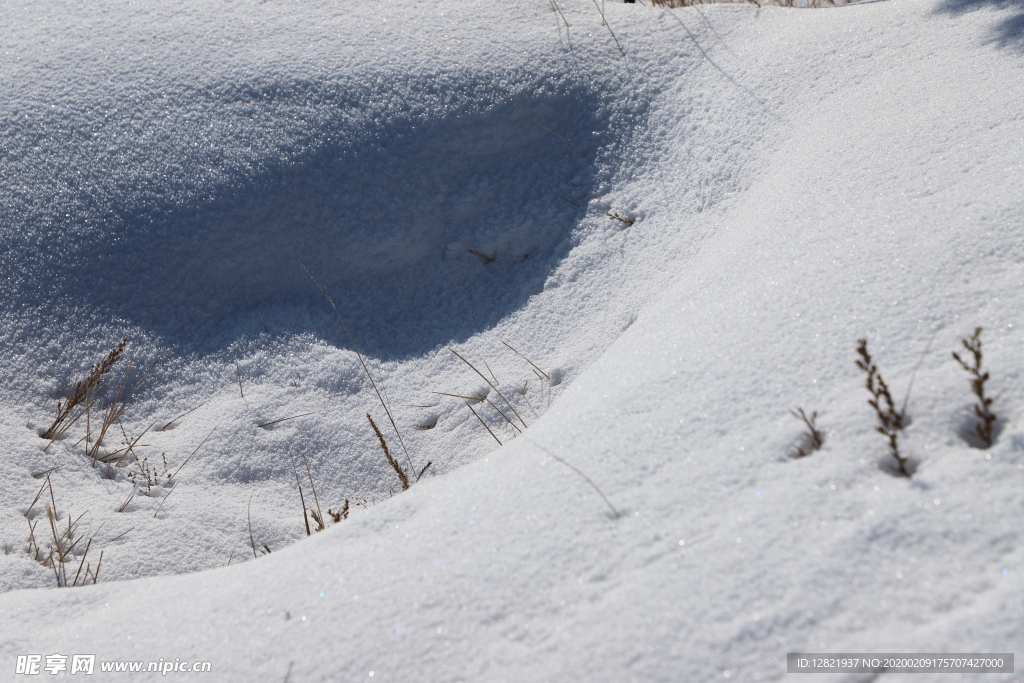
(115, 411)
(60, 556)
(78, 402)
(890, 420)
(983, 428)
(402, 476)
(813, 438)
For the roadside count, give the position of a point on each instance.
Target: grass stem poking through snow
(513, 424)
(577, 471)
(362, 362)
(890, 421)
(535, 366)
(983, 428)
(402, 476)
(554, 3)
(248, 517)
(485, 257)
(318, 515)
(483, 423)
(238, 374)
(189, 412)
(605, 22)
(164, 499)
(813, 438)
(283, 419)
(302, 498)
(475, 399)
(117, 408)
(488, 383)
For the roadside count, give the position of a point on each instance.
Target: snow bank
(790, 181)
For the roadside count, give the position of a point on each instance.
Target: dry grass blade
(46, 472)
(283, 419)
(554, 3)
(362, 362)
(40, 493)
(32, 543)
(121, 535)
(513, 424)
(483, 423)
(493, 376)
(181, 416)
(124, 505)
(248, 517)
(127, 450)
(535, 366)
(238, 374)
(614, 215)
(488, 383)
(80, 564)
(605, 21)
(577, 471)
(164, 499)
(474, 399)
(319, 514)
(534, 121)
(485, 257)
(194, 452)
(302, 498)
(342, 512)
(402, 476)
(116, 410)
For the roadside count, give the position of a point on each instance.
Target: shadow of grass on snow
(1009, 32)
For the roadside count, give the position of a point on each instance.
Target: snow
(791, 180)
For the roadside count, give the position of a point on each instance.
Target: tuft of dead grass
(114, 413)
(63, 540)
(79, 401)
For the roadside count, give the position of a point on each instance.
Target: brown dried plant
(83, 392)
(114, 412)
(61, 551)
(983, 428)
(402, 476)
(341, 514)
(890, 420)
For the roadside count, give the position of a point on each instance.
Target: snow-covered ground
(687, 242)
